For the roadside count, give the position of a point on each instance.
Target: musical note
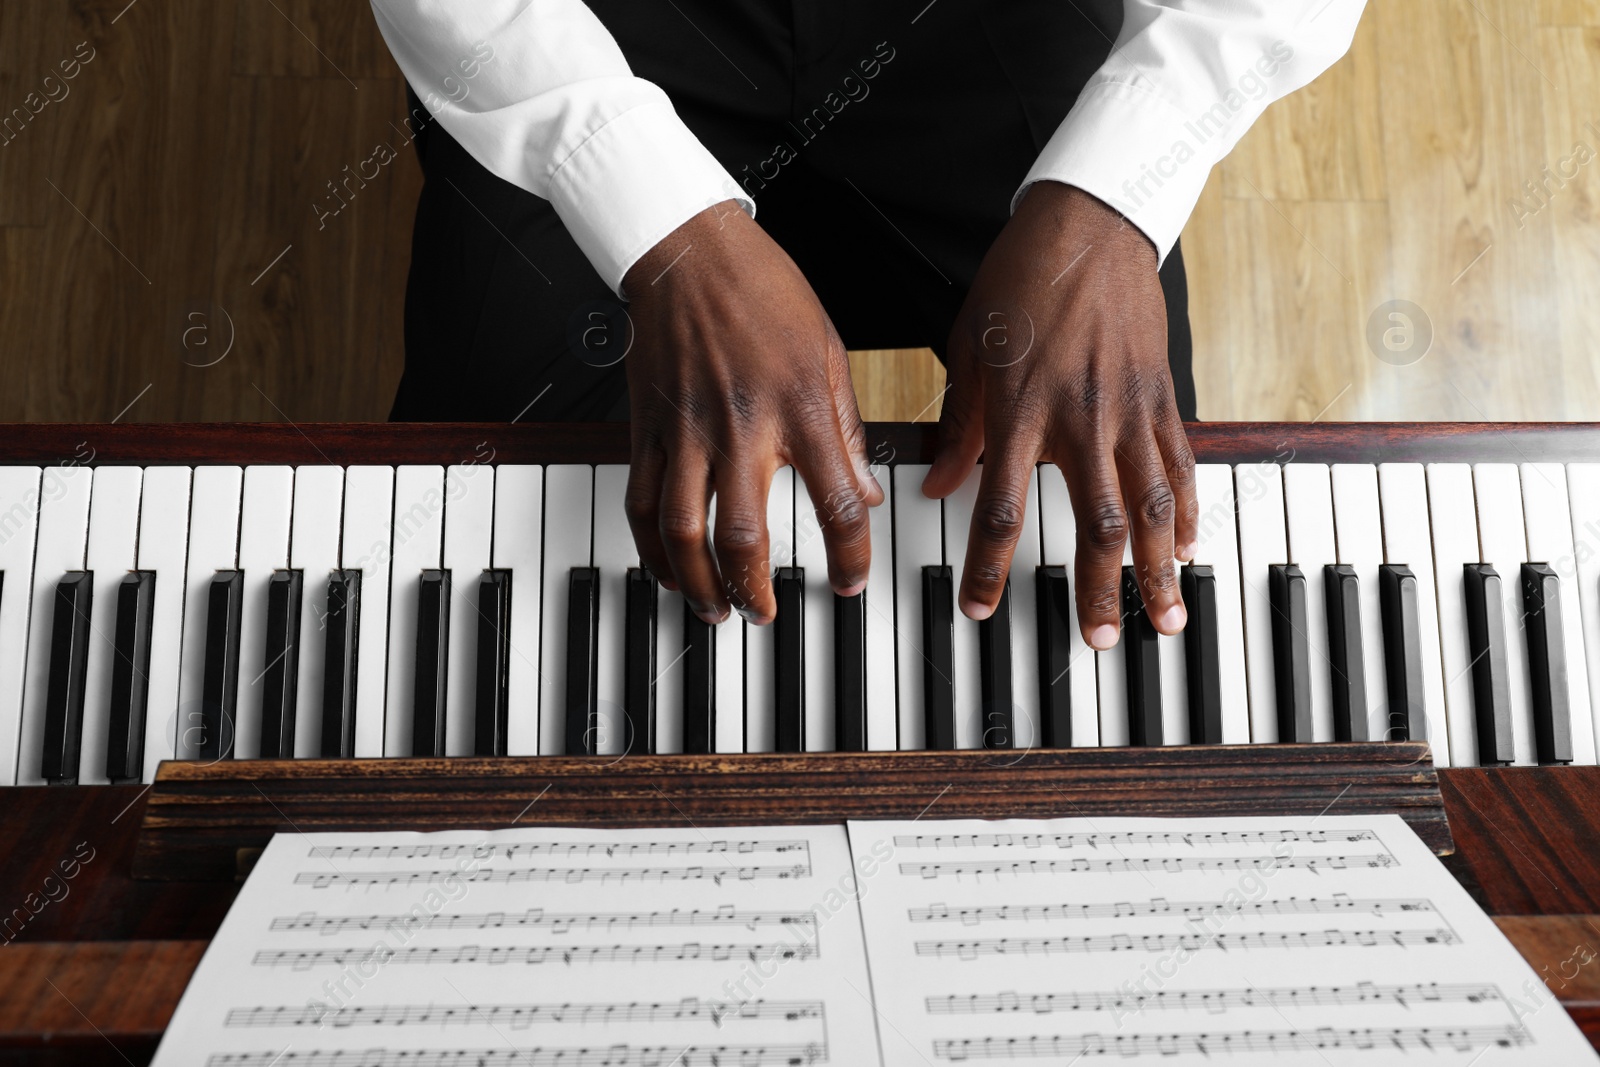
(538, 918)
(609, 1056)
(1145, 864)
(563, 849)
(1193, 942)
(1210, 1001)
(1322, 1039)
(535, 954)
(569, 875)
(976, 914)
(1097, 840)
(522, 1016)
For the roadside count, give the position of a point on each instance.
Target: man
(1003, 181)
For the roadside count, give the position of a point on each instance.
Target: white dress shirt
(539, 93)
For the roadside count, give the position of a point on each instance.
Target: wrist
(1074, 216)
(667, 262)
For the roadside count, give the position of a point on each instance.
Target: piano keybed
(306, 605)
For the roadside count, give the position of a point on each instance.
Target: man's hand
(1060, 354)
(736, 371)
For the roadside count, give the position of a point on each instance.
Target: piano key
(850, 672)
(995, 683)
(314, 551)
(468, 533)
(614, 553)
(1308, 510)
(1111, 670)
(639, 690)
(1058, 538)
(1290, 652)
(113, 552)
(1504, 543)
(518, 548)
(367, 534)
(1218, 548)
(1263, 542)
(431, 680)
(1550, 525)
(213, 546)
(669, 670)
(1141, 660)
(264, 518)
(789, 675)
(1346, 652)
(1583, 494)
(582, 634)
(1202, 659)
(163, 552)
(1024, 604)
(1402, 594)
(19, 489)
(699, 691)
(418, 532)
(918, 542)
(69, 656)
(340, 662)
(1173, 656)
(1547, 663)
(958, 509)
(760, 642)
(938, 653)
(277, 683)
(1408, 542)
(63, 538)
(129, 689)
(1053, 593)
(728, 682)
(219, 694)
(883, 720)
(1358, 528)
(1453, 520)
(811, 558)
(490, 703)
(1486, 637)
(568, 544)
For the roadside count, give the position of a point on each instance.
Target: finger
(1152, 508)
(642, 504)
(1179, 460)
(824, 465)
(1102, 532)
(744, 554)
(685, 498)
(855, 434)
(960, 426)
(997, 519)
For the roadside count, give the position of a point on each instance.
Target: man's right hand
(735, 372)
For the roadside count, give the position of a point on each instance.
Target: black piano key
(433, 664)
(491, 696)
(1347, 664)
(994, 674)
(1547, 662)
(220, 694)
(130, 677)
(699, 683)
(280, 682)
(1054, 593)
(938, 658)
(850, 672)
(1291, 652)
(69, 655)
(1491, 687)
(1141, 660)
(341, 635)
(639, 682)
(1402, 652)
(1202, 658)
(583, 667)
(790, 669)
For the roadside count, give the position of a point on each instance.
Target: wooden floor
(158, 216)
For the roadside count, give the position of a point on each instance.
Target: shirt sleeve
(1183, 83)
(540, 94)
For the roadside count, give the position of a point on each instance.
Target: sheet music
(536, 946)
(1334, 940)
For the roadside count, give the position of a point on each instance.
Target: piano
(211, 632)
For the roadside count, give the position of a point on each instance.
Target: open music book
(1334, 940)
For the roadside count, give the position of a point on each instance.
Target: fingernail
(854, 589)
(711, 617)
(1172, 619)
(668, 584)
(1186, 553)
(1103, 637)
(974, 610)
(751, 617)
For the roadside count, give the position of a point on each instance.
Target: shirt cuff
(634, 181)
(1133, 150)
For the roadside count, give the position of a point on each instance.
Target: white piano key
(1308, 510)
(1359, 531)
(1058, 536)
(1219, 548)
(1549, 528)
(163, 549)
(1263, 541)
(728, 682)
(958, 509)
(314, 551)
(1174, 689)
(1505, 545)
(1583, 484)
(20, 499)
(63, 538)
(367, 537)
(1408, 541)
(882, 714)
(569, 509)
(1452, 513)
(213, 546)
(518, 547)
(918, 543)
(418, 545)
(1111, 667)
(113, 550)
(811, 554)
(468, 533)
(614, 553)
(1025, 729)
(760, 642)
(265, 514)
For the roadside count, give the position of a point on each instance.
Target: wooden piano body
(109, 893)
